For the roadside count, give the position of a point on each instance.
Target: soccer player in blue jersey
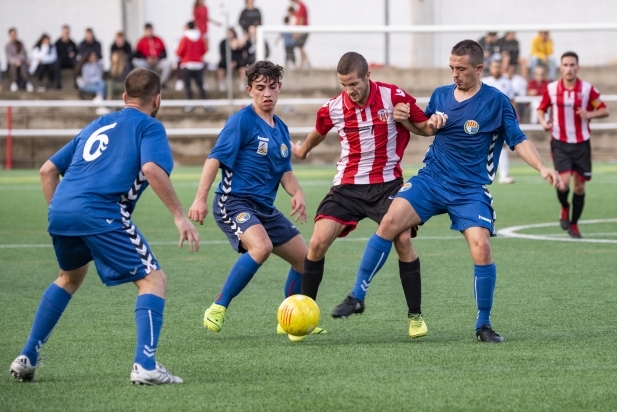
(254, 155)
(105, 169)
(460, 162)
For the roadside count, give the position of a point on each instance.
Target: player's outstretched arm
(529, 154)
(301, 150)
(546, 125)
(290, 183)
(50, 177)
(161, 184)
(427, 128)
(199, 208)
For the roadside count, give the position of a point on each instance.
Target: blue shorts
(120, 256)
(466, 206)
(234, 215)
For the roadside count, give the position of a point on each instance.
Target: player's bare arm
(161, 184)
(50, 177)
(594, 114)
(199, 208)
(427, 128)
(290, 183)
(301, 150)
(546, 125)
(527, 151)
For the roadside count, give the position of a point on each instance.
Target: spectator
(237, 61)
(489, 46)
(250, 16)
(88, 45)
(250, 47)
(67, 53)
(17, 62)
(300, 38)
(289, 43)
(537, 87)
(191, 51)
(43, 61)
(120, 68)
(90, 76)
(202, 18)
(150, 54)
(542, 53)
(120, 44)
(510, 52)
(519, 87)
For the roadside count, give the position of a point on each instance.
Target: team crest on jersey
(284, 150)
(471, 127)
(382, 115)
(405, 187)
(262, 149)
(243, 217)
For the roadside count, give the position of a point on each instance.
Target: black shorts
(349, 204)
(301, 40)
(572, 158)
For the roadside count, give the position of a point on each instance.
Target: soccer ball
(298, 315)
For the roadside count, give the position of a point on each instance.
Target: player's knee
(481, 251)
(261, 252)
(389, 226)
(317, 248)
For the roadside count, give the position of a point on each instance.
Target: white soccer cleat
(158, 376)
(22, 369)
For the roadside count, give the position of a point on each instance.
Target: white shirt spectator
(503, 84)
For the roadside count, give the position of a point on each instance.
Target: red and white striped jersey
(372, 142)
(567, 124)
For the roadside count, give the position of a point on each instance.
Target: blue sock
(375, 255)
(293, 285)
(149, 318)
(240, 276)
(52, 305)
(484, 287)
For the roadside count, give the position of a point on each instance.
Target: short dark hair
(352, 62)
(12, 29)
(190, 25)
(143, 85)
(569, 54)
(66, 26)
(90, 30)
(469, 48)
(267, 69)
(147, 26)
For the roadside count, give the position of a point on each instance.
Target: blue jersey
(102, 172)
(466, 151)
(253, 156)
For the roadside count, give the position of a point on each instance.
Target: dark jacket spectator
(66, 49)
(250, 16)
(89, 45)
(120, 44)
(509, 49)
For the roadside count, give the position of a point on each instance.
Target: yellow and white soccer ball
(298, 315)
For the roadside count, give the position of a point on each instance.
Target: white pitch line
(510, 232)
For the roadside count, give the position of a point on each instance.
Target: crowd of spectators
(41, 68)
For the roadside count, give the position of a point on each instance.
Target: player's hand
(298, 206)
(584, 114)
(401, 112)
(547, 126)
(552, 176)
(296, 150)
(188, 233)
(437, 121)
(198, 211)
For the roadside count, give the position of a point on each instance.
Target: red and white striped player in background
(369, 172)
(574, 102)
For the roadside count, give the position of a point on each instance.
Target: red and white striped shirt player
(567, 125)
(372, 142)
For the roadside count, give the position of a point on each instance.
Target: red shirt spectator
(537, 88)
(301, 14)
(192, 48)
(150, 47)
(200, 14)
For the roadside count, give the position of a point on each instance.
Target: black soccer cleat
(486, 334)
(564, 218)
(349, 306)
(574, 232)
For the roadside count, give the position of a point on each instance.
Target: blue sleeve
(155, 146)
(63, 157)
(513, 134)
(229, 142)
(430, 108)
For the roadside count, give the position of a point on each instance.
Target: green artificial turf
(554, 304)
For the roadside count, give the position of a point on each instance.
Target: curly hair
(266, 69)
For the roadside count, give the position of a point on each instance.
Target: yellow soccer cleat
(214, 317)
(417, 327)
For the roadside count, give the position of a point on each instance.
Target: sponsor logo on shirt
(471, 127)
(243, 217)
(262, 149)
(284, 150)
(382, 114)
(405, 187)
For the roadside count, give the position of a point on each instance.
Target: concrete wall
(32, 17)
